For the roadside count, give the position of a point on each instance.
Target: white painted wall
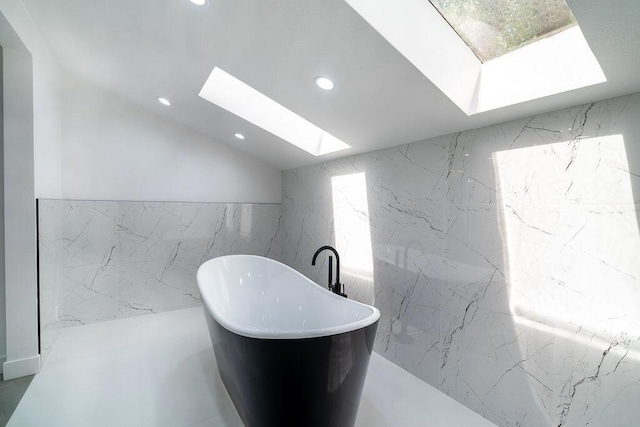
(115, 150)
(3, 334)
(19, 208)
(47, 118)
(47, 131)
(32, 154)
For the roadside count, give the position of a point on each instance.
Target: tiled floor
(159, 370)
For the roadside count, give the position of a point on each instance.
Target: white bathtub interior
(262, 298)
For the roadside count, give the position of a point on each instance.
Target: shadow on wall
(504, 260)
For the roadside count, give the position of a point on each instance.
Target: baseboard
(21, 367)
(3, 359)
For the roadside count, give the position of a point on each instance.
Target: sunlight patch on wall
(572, 236)
(351, 216)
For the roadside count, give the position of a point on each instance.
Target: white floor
(159, 370)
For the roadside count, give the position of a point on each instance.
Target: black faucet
(337, 287)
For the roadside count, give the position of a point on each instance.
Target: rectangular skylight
(493, 28)
(547, 62)
(235, 96)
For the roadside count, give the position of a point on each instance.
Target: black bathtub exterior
(311, 382)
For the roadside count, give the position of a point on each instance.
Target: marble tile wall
(505, 260)
(103, 260)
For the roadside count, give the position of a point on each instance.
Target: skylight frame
(557, 64)
(237, 97)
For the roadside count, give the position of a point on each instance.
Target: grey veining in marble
(102, 260)
(504, 260)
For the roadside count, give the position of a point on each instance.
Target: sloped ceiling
(143, 49)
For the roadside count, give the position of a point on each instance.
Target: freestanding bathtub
(289, 352)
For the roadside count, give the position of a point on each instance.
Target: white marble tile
(308, 185)
(578, 155)
(408, 284)
(597, 380)
(90, 259)
(521, 241)
(578, 266)
(482, 362)
(308, 228)
(51, 249)
(245, 228)
(408, 176)
(153, 275)
(584, 279)
(107, 260)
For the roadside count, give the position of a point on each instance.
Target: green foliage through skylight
(492, 28)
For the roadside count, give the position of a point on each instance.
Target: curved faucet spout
(337, 287)
(324, 248)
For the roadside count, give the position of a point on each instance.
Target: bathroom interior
(476, 165)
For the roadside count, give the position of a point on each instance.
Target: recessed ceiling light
(324, 83)
(238, 135)
(164, 101)
(237, 97)
(199, 2)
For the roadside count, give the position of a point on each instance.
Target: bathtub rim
(271, 334)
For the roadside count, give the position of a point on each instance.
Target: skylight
(543, 60)
(235, 96)
(493, 28)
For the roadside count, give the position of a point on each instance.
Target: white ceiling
(143, 49)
